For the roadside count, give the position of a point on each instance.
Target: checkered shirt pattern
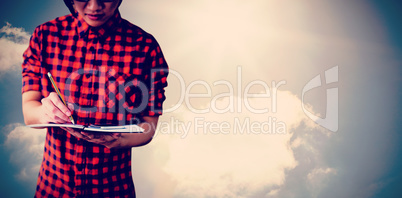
(114, 74)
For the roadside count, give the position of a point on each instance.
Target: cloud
(206, 158)
(232, 154)
(278, 41)
(13, 43)
(318, 178)
(281, 41)
(26, 150)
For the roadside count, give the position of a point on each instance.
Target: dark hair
(69, 4)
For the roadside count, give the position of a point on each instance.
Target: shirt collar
(103, 31)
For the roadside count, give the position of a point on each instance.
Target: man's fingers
(104, 139)
(54, 113)
(74, 133)
(89, 135)
(59, 104)
(70, 106)
(55, 109)
(94, 136)
(110, 138)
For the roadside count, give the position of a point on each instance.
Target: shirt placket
(86, 99)
(89, 73)
(80, 161)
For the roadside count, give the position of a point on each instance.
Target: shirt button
(80, 167)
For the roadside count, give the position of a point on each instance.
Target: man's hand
(38, 110)
(54, 110)
(120, 140)
(109, 140)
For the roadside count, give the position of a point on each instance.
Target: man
(110, 72)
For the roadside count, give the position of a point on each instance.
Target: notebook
(94, 128)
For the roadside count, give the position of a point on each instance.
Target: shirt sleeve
(158, 81)
(31, 66)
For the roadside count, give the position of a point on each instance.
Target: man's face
(96, 12)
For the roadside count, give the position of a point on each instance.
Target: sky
(266, 98)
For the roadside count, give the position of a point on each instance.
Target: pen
(59, 94)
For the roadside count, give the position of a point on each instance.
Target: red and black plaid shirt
(114, 74)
